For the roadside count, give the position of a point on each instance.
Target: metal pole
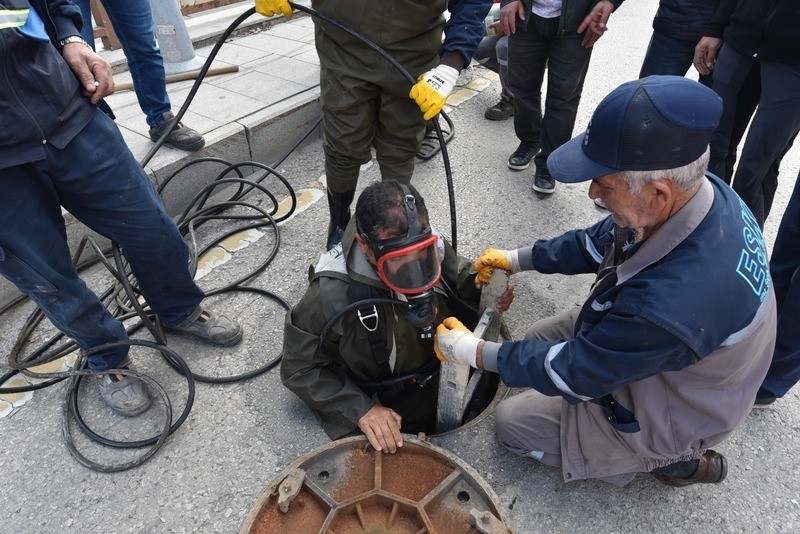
(173, 38)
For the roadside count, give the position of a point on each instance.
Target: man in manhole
(366, 364)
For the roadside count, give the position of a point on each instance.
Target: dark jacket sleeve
(464, 29)
(312, 371)
(575, 252)
(623, 348)
(720, 19)
(64, 15)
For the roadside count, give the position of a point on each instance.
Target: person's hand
(93, 72)
(504, 301)
(454, 342)
(595, 23)
(270, 8)
(492, 259)
(433, 88)
(705, 54)
(499, 31)
(381, 425)
(509, 14)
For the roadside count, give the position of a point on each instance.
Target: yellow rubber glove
(493, 258)
(454, 342)
(269, 8)
(432, 89)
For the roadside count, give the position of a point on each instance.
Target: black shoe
(522, 156)
(339, 204)
(712, 469)
(501, 111)
(763, 402)
(543, 182)
(181, 137)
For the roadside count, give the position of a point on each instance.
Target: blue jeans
(530, 50)
(668, 56)
(784, 266)
(96, 178)
(133, 23)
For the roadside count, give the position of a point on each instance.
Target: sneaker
(600, 203)
(522, 156)
(127, 396)
(501, 111)
(211, 328)
(764, 402)
(543, 182)
(713, 469)
(181, 137)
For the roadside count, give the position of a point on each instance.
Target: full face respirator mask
(411, 265)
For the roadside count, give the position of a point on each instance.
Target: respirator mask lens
(412, 269)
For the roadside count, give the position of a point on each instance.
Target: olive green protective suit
(322, 375)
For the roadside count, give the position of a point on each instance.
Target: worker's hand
(454, 342)
(705, 54)
(504, 301)
(595, 23)
(381, 425)
(433, 88)
(92, 71)
(270, 8)
(492, 259)
(509, 14)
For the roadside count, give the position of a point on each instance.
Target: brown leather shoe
(713, 469)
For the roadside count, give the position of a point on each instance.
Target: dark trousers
(529, 52)
(775, 124)
(668, 56)
(784, 266)
(96, 178)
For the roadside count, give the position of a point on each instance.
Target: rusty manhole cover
(347, 487)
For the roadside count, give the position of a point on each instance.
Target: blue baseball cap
(658, 122)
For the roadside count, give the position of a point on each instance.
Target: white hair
(685, 178)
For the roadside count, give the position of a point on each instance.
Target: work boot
(339, 204)
(543, 182)
(712, 469)
(181, 137)
(126, 395)
(209, 327)
(501, 111)
(522, 156)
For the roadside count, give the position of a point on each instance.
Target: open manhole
(487, 395)
(348, 487)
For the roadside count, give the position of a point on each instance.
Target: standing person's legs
(100, 183)
(133, 22)
(568, 62)
(784, 372)
(668, 56)
(501, 51)
(498, 62)
(486, 54)
(399, 133)
(730, 73)
(527, 59)
(34, 256)
(776, 122)
(349, 108)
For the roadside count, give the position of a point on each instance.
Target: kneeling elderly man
(664, 358)
(358, 347)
